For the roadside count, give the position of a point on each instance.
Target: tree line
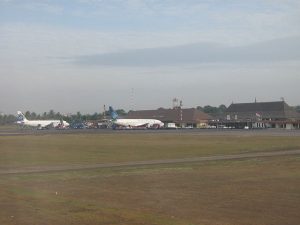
(212, 109)
(79, 117)
(222, 108)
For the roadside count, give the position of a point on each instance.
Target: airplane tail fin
(114, 115)
(20, 116)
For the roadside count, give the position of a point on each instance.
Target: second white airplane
(133, 123)
(40, 124)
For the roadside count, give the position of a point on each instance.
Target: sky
(78, 55)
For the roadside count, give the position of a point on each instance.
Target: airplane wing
(141, 124)
(47, 125)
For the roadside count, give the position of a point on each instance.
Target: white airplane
(134, 123)
(40, 124)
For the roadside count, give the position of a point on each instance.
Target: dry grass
(18, 151)
(255, 191)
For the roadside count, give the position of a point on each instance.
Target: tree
(121, 112)
(222, 108)
(28, 115)
(58, 116)
(7, 119)
(94, 116)
(51, 114)
(210, 109)
(33, 116)
(199, 108)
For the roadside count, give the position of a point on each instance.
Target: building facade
(189, 117)
(258, 115)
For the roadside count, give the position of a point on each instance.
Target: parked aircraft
(134, 123)
(40, 124)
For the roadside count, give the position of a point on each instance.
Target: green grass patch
(253, 191)
(49, 150)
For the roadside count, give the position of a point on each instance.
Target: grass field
(46, 150)
(254, 191)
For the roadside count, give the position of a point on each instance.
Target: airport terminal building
(258, 115)
(189, 117)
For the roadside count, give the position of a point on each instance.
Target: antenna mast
(104, 112)
(132, 99)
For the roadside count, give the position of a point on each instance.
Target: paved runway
(234, 132)
(46, 169)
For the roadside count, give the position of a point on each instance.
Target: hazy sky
(78, 55)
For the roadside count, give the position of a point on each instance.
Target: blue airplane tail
(114, 115)
(20, 116)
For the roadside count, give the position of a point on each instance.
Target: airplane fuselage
(138, 122)
(42, 123)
